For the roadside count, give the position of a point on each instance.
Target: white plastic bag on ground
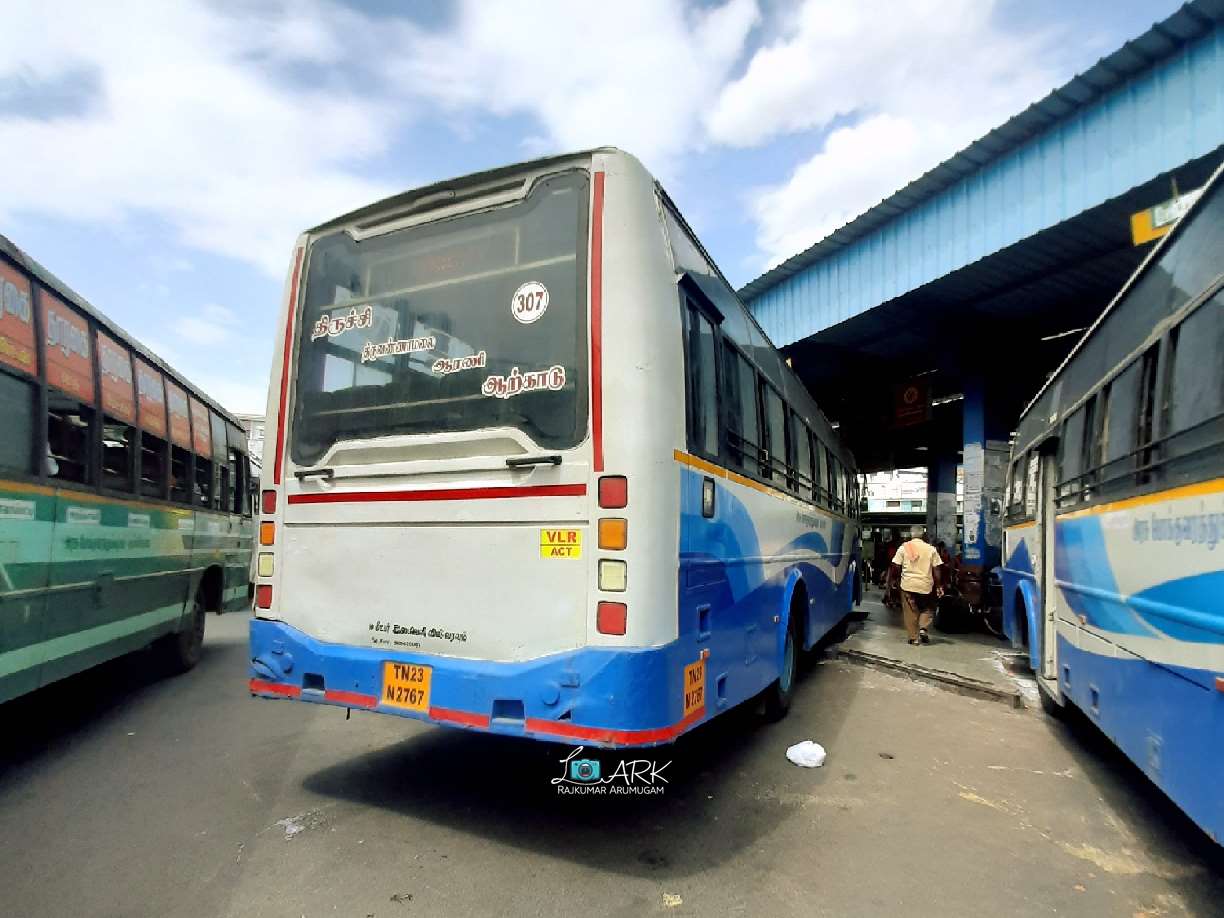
(807, 754)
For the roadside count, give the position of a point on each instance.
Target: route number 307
(529, 303)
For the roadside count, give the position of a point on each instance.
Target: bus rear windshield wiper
(520, 461)
(324, 472)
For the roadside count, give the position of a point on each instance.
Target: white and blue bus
(1114, 548)
(534, 469)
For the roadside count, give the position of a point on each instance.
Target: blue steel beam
(1161, 113)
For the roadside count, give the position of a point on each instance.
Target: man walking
(918, 566)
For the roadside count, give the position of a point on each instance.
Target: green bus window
(17, 422)
(69, 439)
(118, 440)
(152, 466)
(202, 492)
(180, 475)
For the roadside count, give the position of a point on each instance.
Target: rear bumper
(603, 697)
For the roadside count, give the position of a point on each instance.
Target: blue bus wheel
(780, 693)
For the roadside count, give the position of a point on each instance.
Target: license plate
(406, 686)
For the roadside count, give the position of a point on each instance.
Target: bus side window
(203, 490)
(233, 484)
(743, 426)
(1196, 416)
(703, 384)
(830, 479)
(17, 421)
(1070, 457)
(801, 457)
(118, 450)
(820, 494)
(180, 475)
(1016, 501)
(1120, 428)
(774, 464)
(1147, 414)
(69, 438)
(152, 465)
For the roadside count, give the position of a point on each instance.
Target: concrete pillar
(985, 458)
(941, 498)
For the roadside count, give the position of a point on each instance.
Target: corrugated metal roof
(1165, 38)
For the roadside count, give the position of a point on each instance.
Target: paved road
(125, 795)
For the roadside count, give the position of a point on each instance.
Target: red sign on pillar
(912, 403)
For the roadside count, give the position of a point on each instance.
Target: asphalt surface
(123, 793)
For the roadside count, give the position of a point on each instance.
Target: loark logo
(585, 776)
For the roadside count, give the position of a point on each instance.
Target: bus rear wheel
(182, 650)
(781, 692)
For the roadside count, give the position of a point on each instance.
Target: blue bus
(1113, 571)
(537, 471)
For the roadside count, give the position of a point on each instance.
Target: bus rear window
(464, 324)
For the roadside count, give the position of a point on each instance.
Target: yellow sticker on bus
(694, 687)
(560, 543)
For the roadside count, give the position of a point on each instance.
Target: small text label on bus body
(560, 543)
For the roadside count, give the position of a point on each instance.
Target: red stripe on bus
(359, 497)
(284, 388)
(609, 735)
(352, 699)
(263, 687)
(1220, 683)
(597, 321)
(466, 718)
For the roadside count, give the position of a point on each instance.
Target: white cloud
(636, 75)
(191, 123)
(245, 392)
(906, 83)
(241, 124)
(213, 325)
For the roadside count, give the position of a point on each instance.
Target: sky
(161, 157)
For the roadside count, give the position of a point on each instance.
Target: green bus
(125, 493)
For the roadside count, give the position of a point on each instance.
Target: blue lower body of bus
(1167, 720)
(737, 602)
(598, 696)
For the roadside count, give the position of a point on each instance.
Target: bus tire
(182, 650)
(781, 691)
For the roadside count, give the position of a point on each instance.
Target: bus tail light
(266, 564)
(613, 533)
(263, 596)
(613, 576)
(610, 617)
(267, 533)
(613, 492)
(269, 502)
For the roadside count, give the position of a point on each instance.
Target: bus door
(1043, 472)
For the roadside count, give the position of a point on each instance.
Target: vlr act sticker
(694, 687)
(529, 303)
(560, 543)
